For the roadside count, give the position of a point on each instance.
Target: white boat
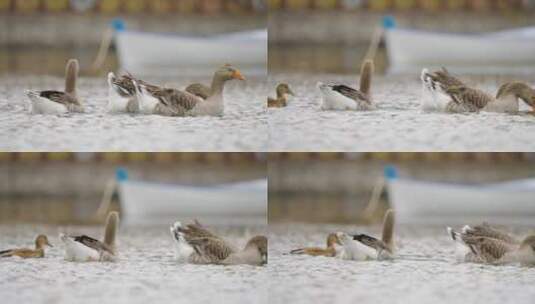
(424, 202)
(411, 50)
(159, 53)
(148, 202)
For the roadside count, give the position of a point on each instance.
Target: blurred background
(36, 36)
(333, 36)
(67, 188)
(337, 187)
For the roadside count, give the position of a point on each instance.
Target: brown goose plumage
(209, 248)
(485, 244)
(463, 98)
(172, 102)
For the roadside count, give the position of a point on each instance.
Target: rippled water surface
(425, 272)
(398, 124)
(146, 272)
(243, 127)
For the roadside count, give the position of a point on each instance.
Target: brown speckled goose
(445, 93)
(172, 102)
(39, 252)
(330, 251)
(58, 102)
(196, 245)
(484, 244)
(283, 90)
(341, 97)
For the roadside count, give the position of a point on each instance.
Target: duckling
(172, 102)
(445, 93)
(57, 102)
(330, 251)
(87, 249)
(283, 90)
(341, 97)
(39, 252)
(484, 244)
(197, 245)
(362, 247)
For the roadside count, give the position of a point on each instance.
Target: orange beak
(237, 75)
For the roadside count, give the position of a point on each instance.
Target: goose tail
(110, 233)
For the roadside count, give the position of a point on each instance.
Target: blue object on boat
(118, 24)
(389, 22)
(391, 172)
(121, 174)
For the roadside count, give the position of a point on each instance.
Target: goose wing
(488, 249)
(485, 230)
(60, 97)
(124, 85)
(350, 92)
(213, 249)
(196, 231)
(178, 102)
(445, 78)
(93, 243)
(199, 89)
(471, 99)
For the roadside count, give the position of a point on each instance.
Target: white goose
(87, 249)
(341, 97)
(57, 102)
(362, 247)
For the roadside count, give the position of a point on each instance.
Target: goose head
(526, 250)
(228, 72)
(519, 90)
(260, 244)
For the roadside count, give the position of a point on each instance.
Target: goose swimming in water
(342, 97)
(39, 252)
(201, 90)
(283, 91)
(329, 251)
(57, 102)
(87, 249)
(445, 93)
(362, 247)
(484, 244)
(172, 102)
(196, 245)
